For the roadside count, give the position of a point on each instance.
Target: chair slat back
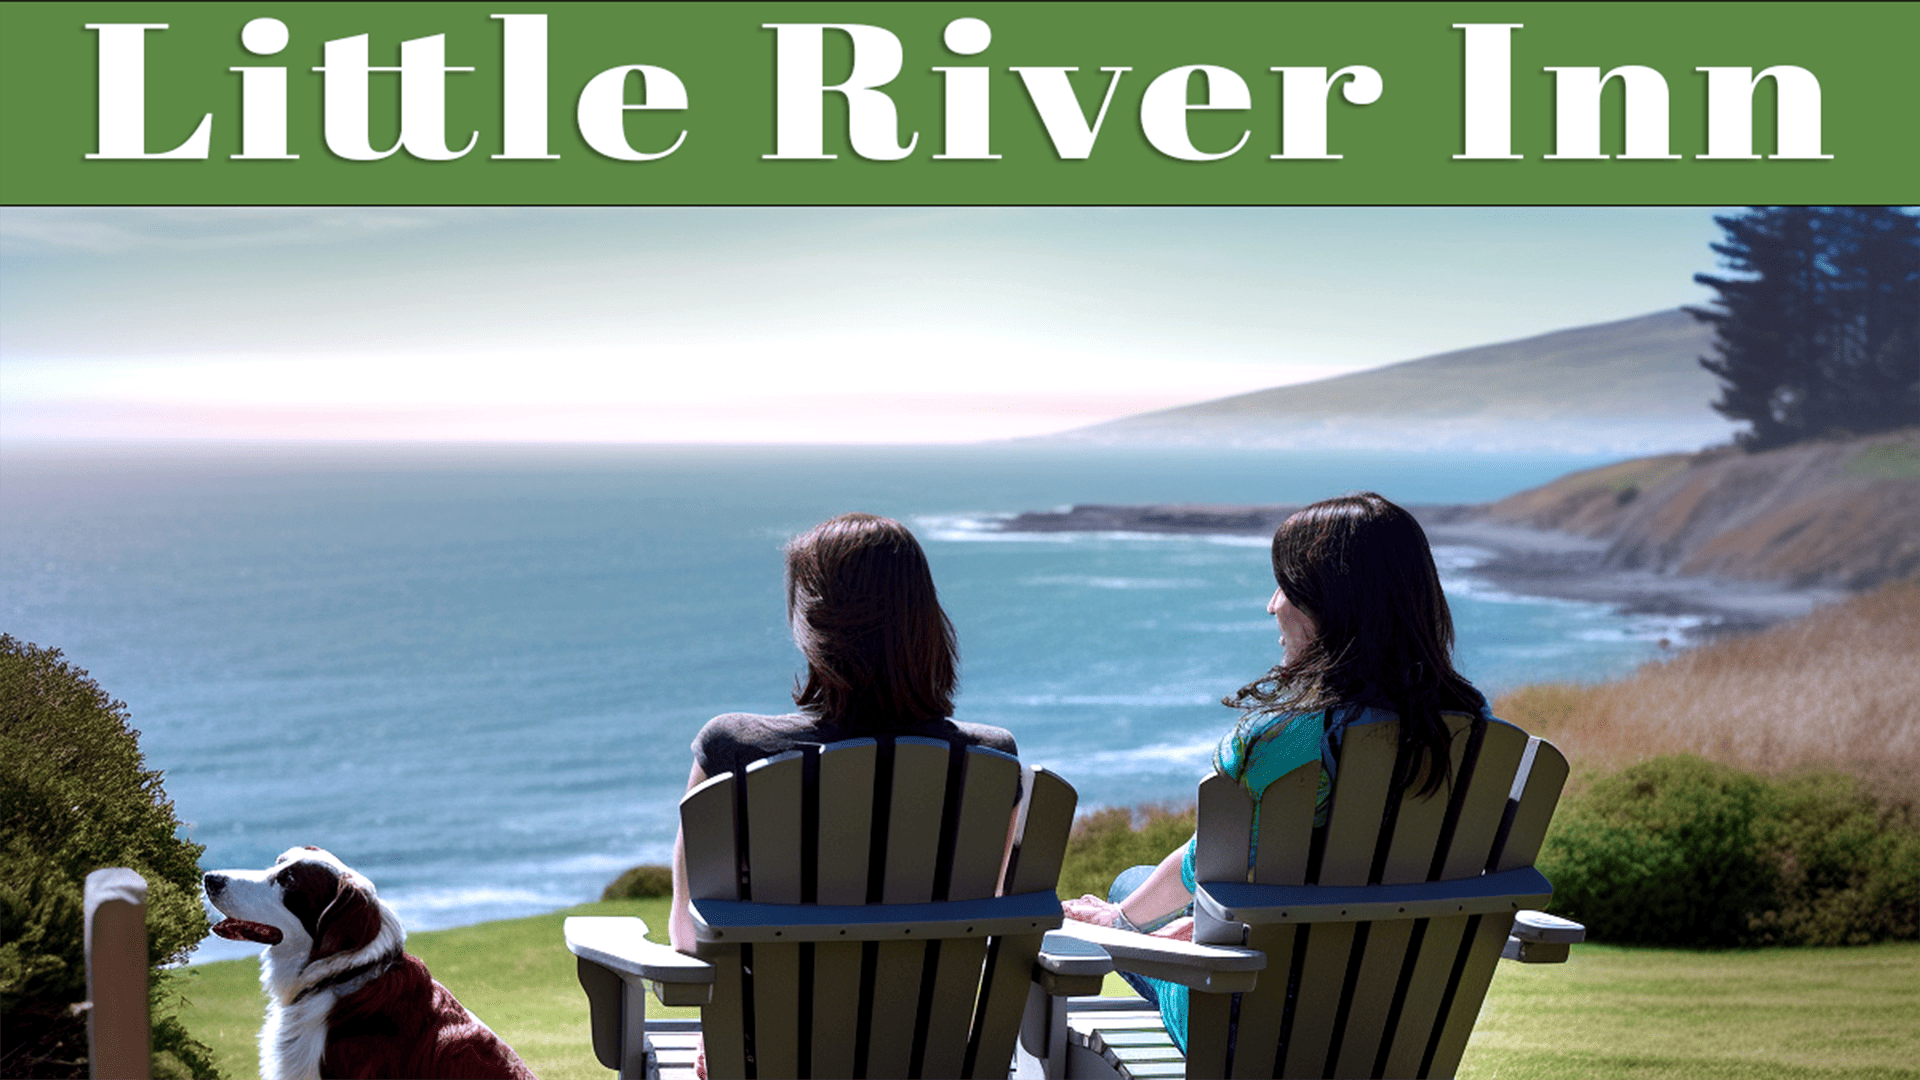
(990, 783)
(1409, 856)
(1220, 854)
(1285, 834)
(1360, 794)
(846, 785)
(1481, 786)
(846, 822)
(912, 846)
(1534, 793)
(1224, 828)
(990, 787)
(1040, 846)
(773, 793)
(1387, 997)
(897, 821)
(709, 825)
(1285, 827)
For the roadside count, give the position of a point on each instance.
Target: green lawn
(1761, 1013)
(1651, 1013)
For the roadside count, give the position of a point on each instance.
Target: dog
(344, 999)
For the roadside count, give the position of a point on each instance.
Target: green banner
(849, 103)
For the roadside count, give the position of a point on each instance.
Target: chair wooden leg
(1042, 1049)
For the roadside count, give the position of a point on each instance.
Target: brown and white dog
(343, 998)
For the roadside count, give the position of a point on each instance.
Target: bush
(640, 883)
(74, 798)
(1848, 865)
(1106, 842)
(1680, 851)
(1663, 853)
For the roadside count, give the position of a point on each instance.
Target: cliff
(1842, 514)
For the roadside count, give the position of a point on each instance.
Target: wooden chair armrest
(1540, 938)
(1540, 926)
(1213, 968)
(1238, 902)
(1068, 965)
(619, 944)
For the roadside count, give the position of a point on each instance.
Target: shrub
(74, 798)
(1663, 853)
(1108, 841)
(640, 883)
(1680, 851)
(1848, 864)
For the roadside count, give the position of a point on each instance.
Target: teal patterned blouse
(1259, 751)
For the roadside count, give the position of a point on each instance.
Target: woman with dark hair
(1366, 636)
(881, 660)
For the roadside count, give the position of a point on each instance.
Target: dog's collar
(371, 970)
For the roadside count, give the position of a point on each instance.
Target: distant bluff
(1634, 386)
(1842, 513)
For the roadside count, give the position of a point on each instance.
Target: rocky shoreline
(1518, 559)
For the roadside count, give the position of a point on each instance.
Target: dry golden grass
(1839, 688)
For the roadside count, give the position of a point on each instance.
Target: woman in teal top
(1365, 636)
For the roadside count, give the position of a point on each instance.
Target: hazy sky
(767, 324)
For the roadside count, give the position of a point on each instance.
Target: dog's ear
(348, 924)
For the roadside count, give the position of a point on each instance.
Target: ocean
(473, 672)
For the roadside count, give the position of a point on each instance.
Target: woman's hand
(1180, 929)
(1091, 909)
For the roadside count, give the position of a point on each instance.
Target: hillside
(1842, 514)
(1744, 540)
(1632, 386)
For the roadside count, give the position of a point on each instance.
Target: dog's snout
(213, 883)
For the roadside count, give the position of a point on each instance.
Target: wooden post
(116, 939)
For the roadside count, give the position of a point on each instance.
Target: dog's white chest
(294, 1038)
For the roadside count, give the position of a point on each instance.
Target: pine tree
(1821, 334)
(1880, 280)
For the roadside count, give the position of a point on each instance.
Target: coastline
(1521, 560)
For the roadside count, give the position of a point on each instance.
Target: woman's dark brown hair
(1361, 569)
(880, 652)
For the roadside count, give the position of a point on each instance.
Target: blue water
(473, 672)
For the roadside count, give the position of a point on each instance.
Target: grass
(1836, 689)
(1641, 1013)
(1886, 461)
(1679, 1014)
(1655, 1013)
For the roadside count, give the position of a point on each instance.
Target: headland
(1742, 540)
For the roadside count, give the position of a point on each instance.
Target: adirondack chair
(1363, 948)
(844, 899)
